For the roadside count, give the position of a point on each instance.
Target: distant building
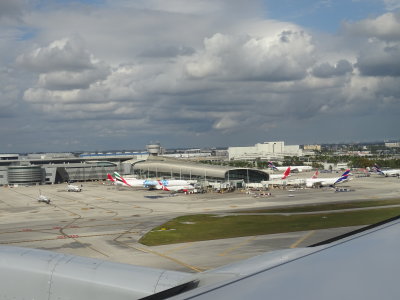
(359, 153)
(335, 167)
(393, 145)
(312, 147)
(266, 151)
(9, 156)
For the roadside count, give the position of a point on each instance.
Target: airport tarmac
(106, 222)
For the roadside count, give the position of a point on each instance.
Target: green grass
(324, 207)
(209, 227)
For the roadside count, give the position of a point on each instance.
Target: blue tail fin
(272, 166)
(378, 169)
(344, 177)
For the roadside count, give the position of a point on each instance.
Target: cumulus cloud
(226, 122)
(64, 80)
(196, 73)
(60, 55)
(283, 57)
(392, 4)
(196, 7)
(9, 92)
(167, 51)
(12, 9)
(379, 60)
(384, 27)
(12, 84)
(65, 70)
(326, 70)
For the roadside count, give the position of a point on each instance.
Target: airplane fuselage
(392, 172)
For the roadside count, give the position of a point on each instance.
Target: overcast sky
(118, 74)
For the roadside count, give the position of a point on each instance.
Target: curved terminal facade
(25, 175)
(161, 167)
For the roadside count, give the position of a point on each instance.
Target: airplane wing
(360, 265)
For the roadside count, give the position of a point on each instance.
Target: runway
(105, 222)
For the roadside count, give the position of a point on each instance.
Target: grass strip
(209, 227)
(323, 207)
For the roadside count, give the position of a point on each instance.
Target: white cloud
(67, 54)
(283, 57)
(196, 7)
(12, 10)
(141, 70)
(392, 4)
(64, 80)
(326, 70)
(225, 123)
(380, 59)
(384, 27)
(9, 92)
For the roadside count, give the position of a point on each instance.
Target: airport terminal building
(165, 167)
(50, 169)
(39, 169)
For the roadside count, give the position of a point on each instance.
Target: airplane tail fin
(287, 173)
(272, 166)
(120, 179)
(315, 174)
(109, 177)
(163, 187)
(346, 173)
(344, 177)
(378, 169)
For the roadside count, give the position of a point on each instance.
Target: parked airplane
(299, 181)
(146, 183)
(176, 188)
(315, 174)
(278, 179)
(294, 168)
(281, 176)
(129, 182)
(360, 265)
(387, 173)
(73, 188)
(310, 182)
(43, 198)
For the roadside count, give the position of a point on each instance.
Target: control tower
(154, 149)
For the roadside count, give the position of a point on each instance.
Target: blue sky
(93, 75)
(324, 15)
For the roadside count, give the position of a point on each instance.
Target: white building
(335, 167)
(312, 147)
(266, 150)
(393, 145)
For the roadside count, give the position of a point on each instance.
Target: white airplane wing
(361, 265)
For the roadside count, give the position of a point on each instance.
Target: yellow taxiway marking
(302, 239)
(166, 257)
(185, 245)
(231, 249)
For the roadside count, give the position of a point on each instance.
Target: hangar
(165, 167)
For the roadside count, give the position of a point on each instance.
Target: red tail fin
(287, 173)
(109, 177)
(315, 174)
(163, 187)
